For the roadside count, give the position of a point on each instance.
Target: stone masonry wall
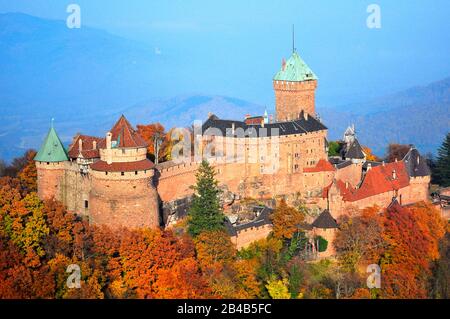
(129, 202)
(74, 189)
(245, 237)
(293, 97)
(48, 179)
(254, 176)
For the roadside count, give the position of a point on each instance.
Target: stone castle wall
(278, 170)
(293, 97)
(351, 174)
(49, 177)
(245, 237)
(124, 201)
(74, 189)
(413, 193)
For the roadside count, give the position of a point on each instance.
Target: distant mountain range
(86, 78)
(419, 116)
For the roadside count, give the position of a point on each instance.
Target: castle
(110, 180)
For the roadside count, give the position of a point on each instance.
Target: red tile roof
(88, 150)
(377, 180)
(122, 167)
(321, 166)
(126, 135)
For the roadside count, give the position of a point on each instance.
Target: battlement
(294, 86)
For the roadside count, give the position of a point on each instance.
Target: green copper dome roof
(52, 150)
(295, 70)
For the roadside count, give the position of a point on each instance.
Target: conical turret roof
(52, 150)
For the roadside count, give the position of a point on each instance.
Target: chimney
(108, 140)
(383, 163)
(394, 174)
(305, 115)
(233, 127)
(418, 160)
(108, 148)
(369, 166)
(80, 145)
(283, 64)
(262, 123)
(94, 145)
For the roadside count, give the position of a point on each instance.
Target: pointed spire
(52, 149)
(293, 38)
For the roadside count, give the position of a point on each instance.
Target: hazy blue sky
(235, 47)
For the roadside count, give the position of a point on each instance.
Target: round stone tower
(50, 163)
(122, 191)
(295, 86)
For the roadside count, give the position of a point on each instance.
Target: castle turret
(50, 162)
(122, 192)
(295, 85)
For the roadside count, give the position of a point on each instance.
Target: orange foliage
(148, 133)
(182, 281)
(285, 220)
(28, 174)
(412, 235)
(214, 248)
(369, 155)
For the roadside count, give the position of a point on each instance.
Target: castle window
(86, 204)
(106, 173)
(135, 172)
(122, 173)
(48, 163)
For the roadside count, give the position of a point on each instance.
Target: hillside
(420, 116)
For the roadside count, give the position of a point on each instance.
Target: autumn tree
(441, 173)
(396, 152)
(205, 213)
(369, 154)
(156, 136)
(183, 280)
(286, 220)
(412, 236)
(359, 239)
(440, 281)
(278, 288)
(214, 247)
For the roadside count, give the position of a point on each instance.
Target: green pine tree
(441, 173)
(206, 213)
